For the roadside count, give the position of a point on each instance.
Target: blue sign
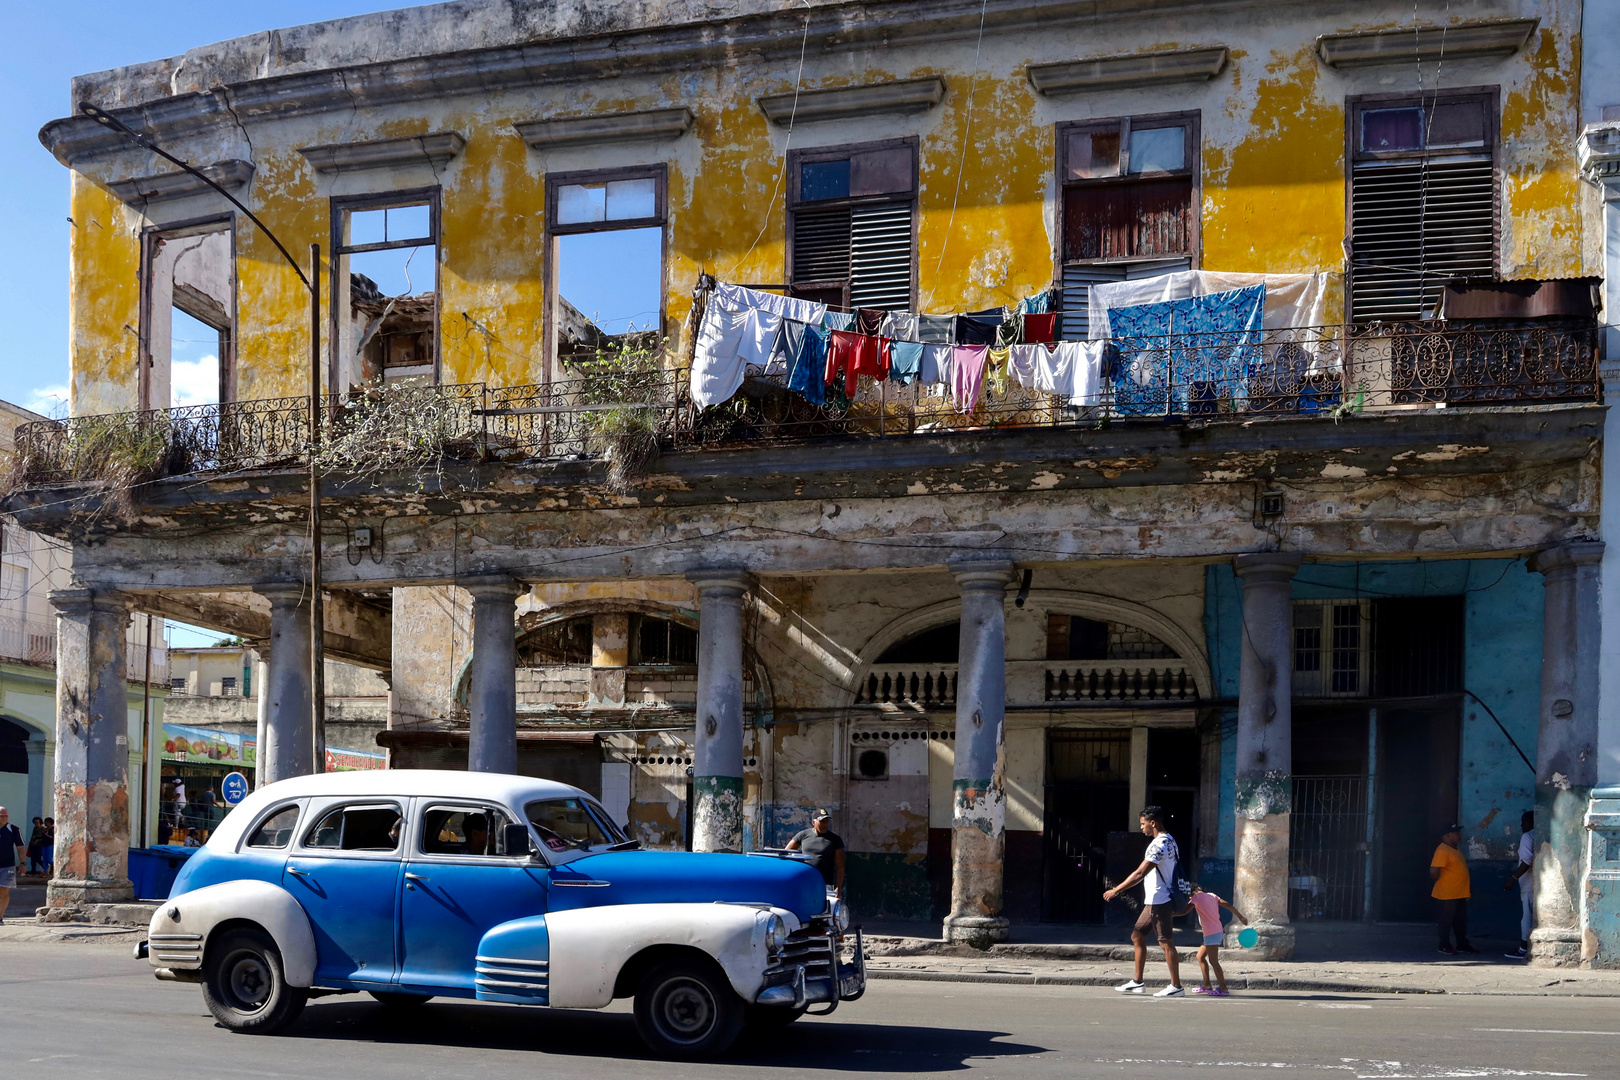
(235, 787)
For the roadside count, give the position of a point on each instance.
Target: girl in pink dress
(1208, 906)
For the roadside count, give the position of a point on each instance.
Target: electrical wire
(967, 136)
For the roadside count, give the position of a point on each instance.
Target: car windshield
(572, 826)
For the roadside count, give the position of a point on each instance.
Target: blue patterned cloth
(1188, 355)
(1039, 304)
(806, 349)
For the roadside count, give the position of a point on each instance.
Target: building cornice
(435, 150)
(1132, 69)
(641, 125)
(843, 102)
(157, 187)
(1485, 38)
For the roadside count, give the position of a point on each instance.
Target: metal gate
(1087, 797)
(1327, 848)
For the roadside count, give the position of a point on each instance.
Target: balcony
(629, 417)
(1060, 683)
(33, 641)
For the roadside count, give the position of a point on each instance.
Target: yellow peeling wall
(1272, 161)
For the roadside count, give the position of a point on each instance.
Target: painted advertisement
(195, 744)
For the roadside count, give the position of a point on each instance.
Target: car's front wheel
(687, 1009)
(245, 985)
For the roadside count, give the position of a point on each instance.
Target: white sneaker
(1132, 987)
(1169, 991)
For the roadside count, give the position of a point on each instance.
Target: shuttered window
(1078, 278)
(851, 216)
(1423, 202)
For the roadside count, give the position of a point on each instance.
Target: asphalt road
(86, 1011)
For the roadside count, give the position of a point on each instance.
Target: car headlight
(838, 911)
(776, 933)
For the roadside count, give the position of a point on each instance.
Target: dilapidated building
(1306, 580)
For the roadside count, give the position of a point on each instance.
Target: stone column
(492, 742)
(288, 745)
(261, 678)
(91, 793)
(1566, 745)
(1265, 783)
(979, 808)
(717, 773)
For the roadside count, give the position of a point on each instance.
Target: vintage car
(410, 885)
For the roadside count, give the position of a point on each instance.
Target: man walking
(825, 848)
(1524, 875)
(1157, 871)
(1451, 891)
(12, 854)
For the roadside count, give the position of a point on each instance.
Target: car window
(275, 831)
(569, 825)
(463, 830)
(356, 828)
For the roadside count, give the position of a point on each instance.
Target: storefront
(201, 759)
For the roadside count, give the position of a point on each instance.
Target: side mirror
(517, 840)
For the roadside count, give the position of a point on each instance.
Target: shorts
(1156, 915)
(1215, 939)
(8, 877)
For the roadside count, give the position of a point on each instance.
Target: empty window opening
(850, 222)
(565, 642)
(606, 241)
(940, 645)
(385, 291)
(1422, 201)
(1130, 204)
(1072, 637)
(190, 314)
(660, 641)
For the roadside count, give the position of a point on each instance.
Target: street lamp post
(312, 282)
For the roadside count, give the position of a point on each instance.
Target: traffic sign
(235, 788)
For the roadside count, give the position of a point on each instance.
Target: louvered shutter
(1414, 226)
(880, 256)
(821, 243)
(1075, 323)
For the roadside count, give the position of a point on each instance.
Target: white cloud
(195, 382)
(48, 400)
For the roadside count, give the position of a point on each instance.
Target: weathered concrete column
(979, 805)
(717, 773)
(91, 793)
(1566, 745)
(261, 681)
(492, 745)
(1265, 783)
(288, 745)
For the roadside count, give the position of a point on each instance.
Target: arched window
(654, 641)
(1071, 637)
(13, 749)
(937, 645)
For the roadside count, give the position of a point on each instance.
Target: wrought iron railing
(1297, 371)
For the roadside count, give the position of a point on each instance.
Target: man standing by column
(1158, 907)
(824, 847)
(1451, 891)
(1524, 876)
(12, 853)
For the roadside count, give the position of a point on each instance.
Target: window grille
(852, 214)
(1331, 648)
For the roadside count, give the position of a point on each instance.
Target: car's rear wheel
(687, 1009)
(245, 986)
(771, 1017)
(400, 1001)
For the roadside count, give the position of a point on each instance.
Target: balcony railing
(1029, 682)
(33, 641)
(1298, 371)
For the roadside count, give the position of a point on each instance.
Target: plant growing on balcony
(622, 386)
(117, 453)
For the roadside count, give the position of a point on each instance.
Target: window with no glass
(851, 214)
(1422, 200)
(385, 289)
(189, 311)
(1130, 199)
(606, 235)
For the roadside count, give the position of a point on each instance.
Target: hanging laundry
(717, 372)
(906, 361)
(838, 320)
(1040, 328)
(936, 329)
(997, 379)
(1011, 331)
(901, 326)
(967, 375)
(885, 358)
(851, 356)
(805, 353)
(1024, 363)
(1080, 366)
(1038, 304)
(869, 321)
(936, 364)
(1197, 350)
(975, 331)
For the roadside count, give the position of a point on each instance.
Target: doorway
(1329, 835)
(1418, 761)
(1088, 794)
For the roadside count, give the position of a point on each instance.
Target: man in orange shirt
(1451, 891)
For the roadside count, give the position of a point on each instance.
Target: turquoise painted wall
(1502, 666)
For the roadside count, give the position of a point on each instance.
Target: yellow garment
(1453, 881)
(996, 377)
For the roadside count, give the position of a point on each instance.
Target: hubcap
(685, 1009)
(248, 978)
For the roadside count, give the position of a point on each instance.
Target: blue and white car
(410, 885)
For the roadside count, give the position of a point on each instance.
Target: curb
(1237, 982)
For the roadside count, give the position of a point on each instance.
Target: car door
(459, 882)
(345, 872)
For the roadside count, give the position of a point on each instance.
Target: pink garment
(1208, 906)
(967, 375)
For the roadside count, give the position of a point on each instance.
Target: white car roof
(504, 788)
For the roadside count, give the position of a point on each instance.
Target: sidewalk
(1344, 958)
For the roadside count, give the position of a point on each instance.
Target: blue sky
(48, 44)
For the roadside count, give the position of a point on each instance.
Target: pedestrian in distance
(1451, 891)
(1208, 906)
(1158, 908)
(50, 846)
(36, 847)
(1523, 875)
(12, 855)
(824, 847)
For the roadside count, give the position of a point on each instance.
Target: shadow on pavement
(809, 1043)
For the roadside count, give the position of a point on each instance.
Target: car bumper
(816, 977)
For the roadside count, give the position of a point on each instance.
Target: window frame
(551, 256)
(313, 815)
(1357, 104)
(337, 267)
(427, 806)
(176, 230)
(1191, 119)
(792, 203)
(252, 830)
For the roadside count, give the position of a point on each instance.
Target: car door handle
(581, 883)
(295, 872)
(414, 877)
